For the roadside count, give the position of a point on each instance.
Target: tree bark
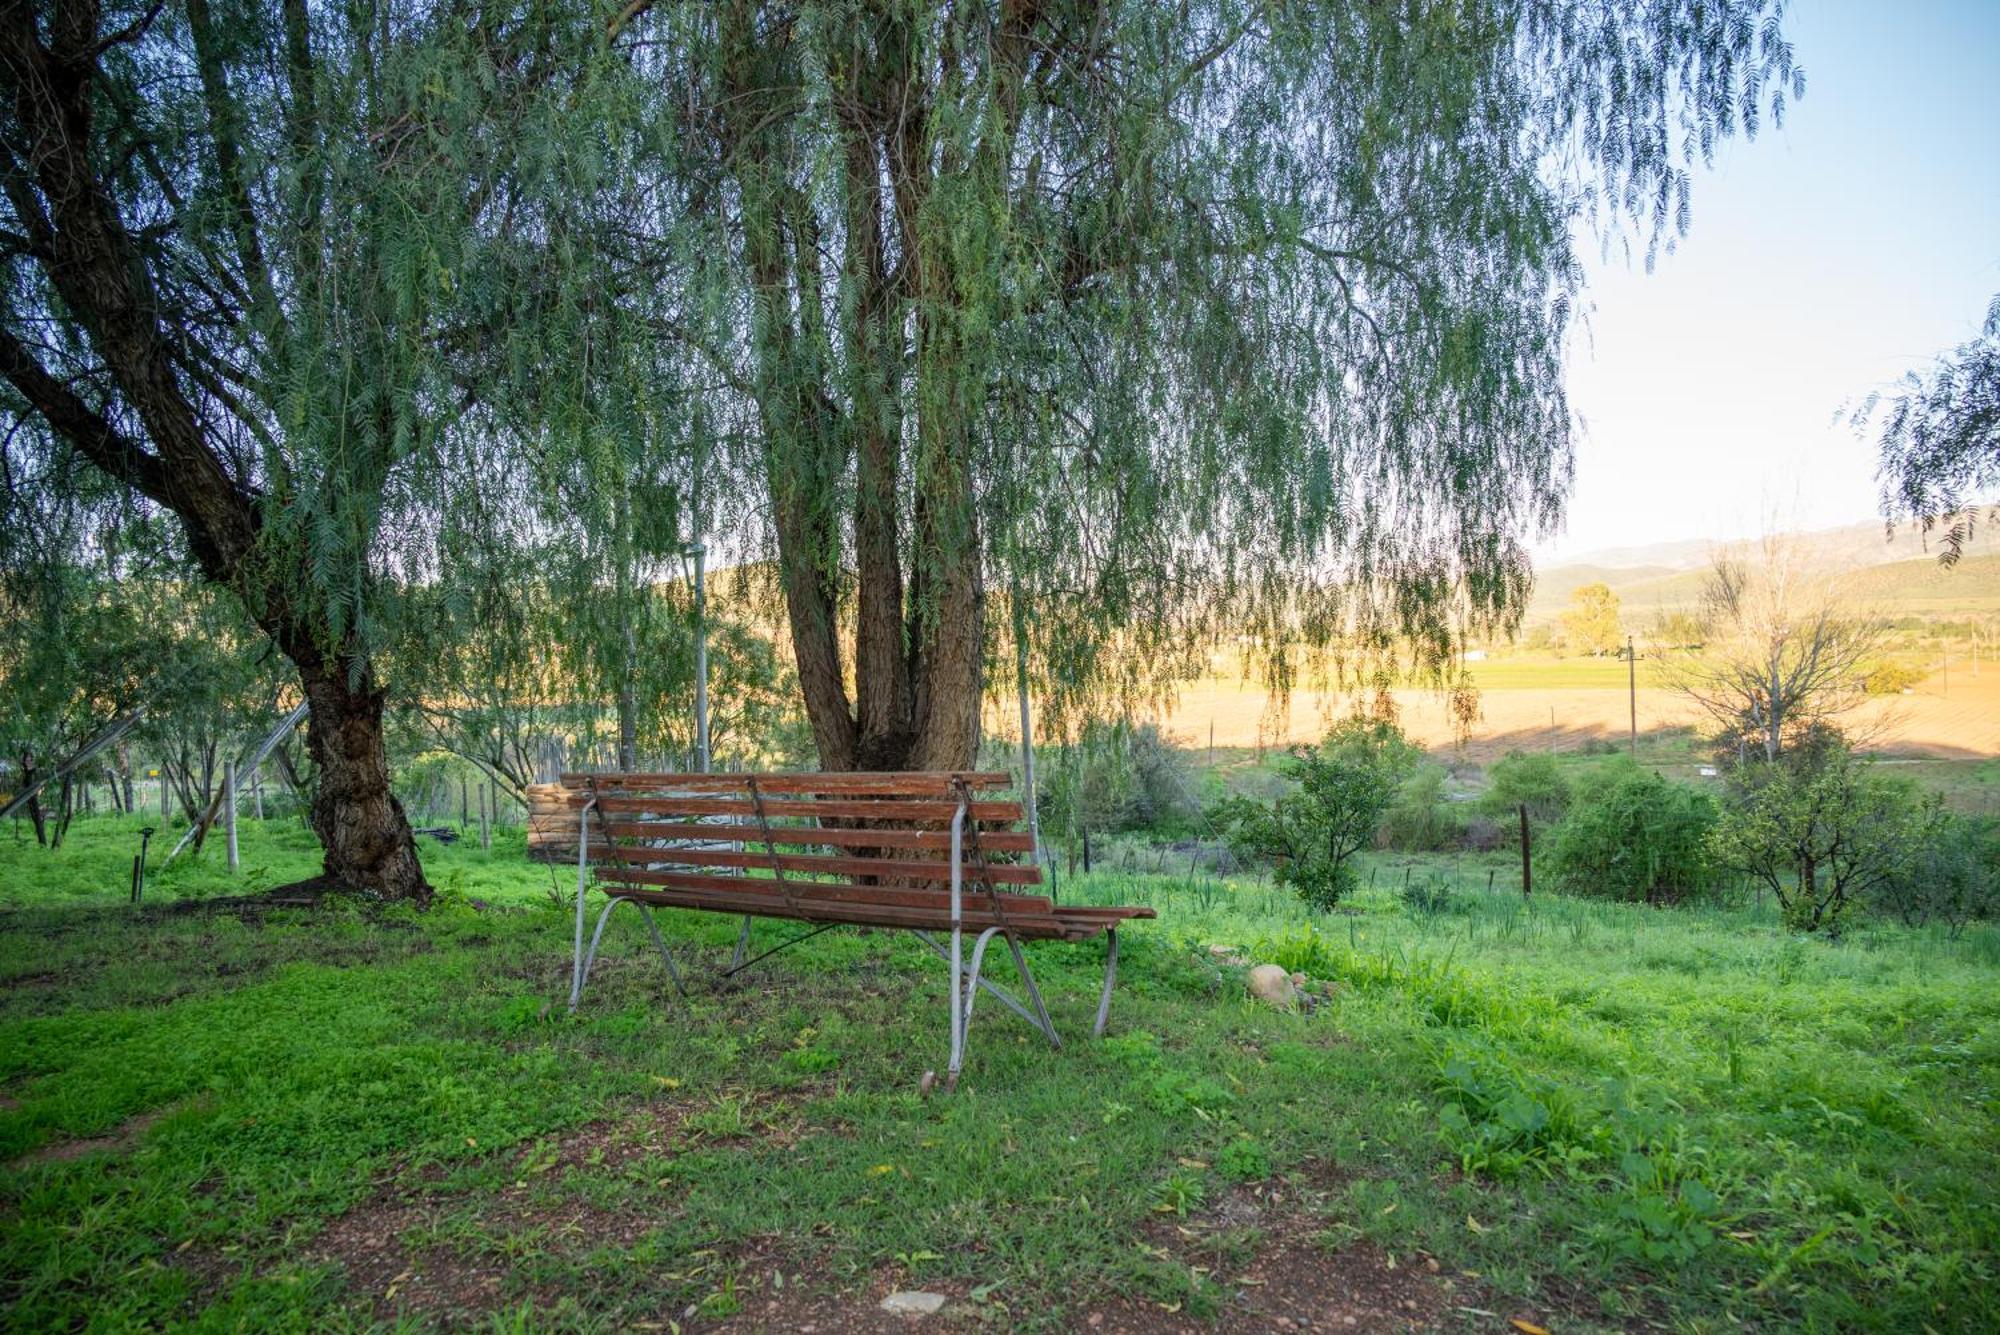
(360, 823)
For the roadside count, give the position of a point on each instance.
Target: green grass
(1610, 1115)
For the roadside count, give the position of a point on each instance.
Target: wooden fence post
(1527, 874)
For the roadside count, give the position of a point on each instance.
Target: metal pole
(700, 554)
(139, 864)
(164, 810)
(1028, 727)
(957, 938)
(229, 808)
(485, 830)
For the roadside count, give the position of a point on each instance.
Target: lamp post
(695, 556)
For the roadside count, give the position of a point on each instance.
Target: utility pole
(1632, 691)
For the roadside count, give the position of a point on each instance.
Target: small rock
(1271, 984)
(910, 1303)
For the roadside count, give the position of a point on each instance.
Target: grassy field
(1582, 1115)
(1538, 701)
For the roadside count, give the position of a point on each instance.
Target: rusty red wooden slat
(818, 863)
(916, 783)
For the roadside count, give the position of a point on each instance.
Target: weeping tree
(242, 249)
(1132, 326)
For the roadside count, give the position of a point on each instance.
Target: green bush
(1950, 876)
(1824, 830)
(1341, 789)
(1119, 777)
(1527, 778)
(1421, 820)
(1635, 837)
(1431, 896)
(1890, 679)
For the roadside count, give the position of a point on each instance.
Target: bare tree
(1787, 647)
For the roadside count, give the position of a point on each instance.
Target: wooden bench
(929, 853)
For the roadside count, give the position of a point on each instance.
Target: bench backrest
(880, 838)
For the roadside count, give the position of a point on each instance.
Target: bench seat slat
(1058, 925)
(818, 864)
(829, 891)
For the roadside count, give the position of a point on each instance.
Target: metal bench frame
(966, 973)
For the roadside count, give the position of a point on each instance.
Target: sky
(1824, 260)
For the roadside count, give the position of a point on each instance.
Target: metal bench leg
(1040, 1019)
(962, 998)
(665, 954)
(1110, 977)
(742, 944)
(986, 985)
(576, 967)
(597, 936)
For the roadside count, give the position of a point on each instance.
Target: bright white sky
(1825, 259)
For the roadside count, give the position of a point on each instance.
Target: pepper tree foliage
(1940, 440)
(1160, 322)
(311, 279)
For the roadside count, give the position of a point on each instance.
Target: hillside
(1898, 577)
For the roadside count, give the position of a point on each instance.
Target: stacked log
(551, 823)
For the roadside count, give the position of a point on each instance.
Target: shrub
(1430, 897)
(1824, 831)
(1531, 779)
(1635, 837)
(1890, 679)
(1420, 820)
(1121, 776)
(1343, 787)
(1950, 876)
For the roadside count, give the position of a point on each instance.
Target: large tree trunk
(360, 822)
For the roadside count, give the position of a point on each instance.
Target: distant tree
(1343, 787)
(1530, 779)
(1679, 630)
(1591, 624)
(73, 656)
(1939, 438)
(1787, 649)
(1823, 831)
(224, 686)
